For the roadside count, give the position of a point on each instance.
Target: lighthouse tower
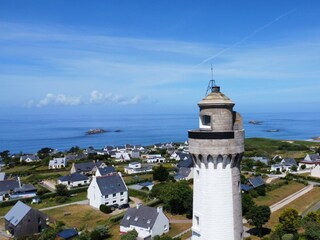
(216, 149)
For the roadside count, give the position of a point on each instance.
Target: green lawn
(279, 194)
(50, 202)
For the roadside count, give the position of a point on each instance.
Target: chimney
(19, 182)
(159, 209)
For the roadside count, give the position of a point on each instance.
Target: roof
(216, 98)
(184, 171)
(68, 233)
(8, 185)
(142, 216)
(256, 181)
(288, 161)
(314, 157)
(106, 170)
(185, 163)
(145, 184)
(32, 157)
(245, 187)
(73, 177)
(87, 166)
(25, 188)
(17, 213)
(111, 184)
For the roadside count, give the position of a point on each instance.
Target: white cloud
(97, 97)
(56, 99)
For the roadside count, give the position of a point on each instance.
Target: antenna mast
(212, 83)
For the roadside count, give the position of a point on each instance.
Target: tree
(303, 166)
(312, 230)
(247, 203)
(160, 173)
(294, 168)
(75, 149)
(176, 196)
(289, 220)
(258, 216)
(99, 233)
(131, 235)
(62, 190)
(45, 152)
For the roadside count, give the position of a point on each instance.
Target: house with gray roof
(23, 220)
(147, 221)
(29, 158)
(102, 171)
(107, 190)
(25, 191)
(87, 168)
(310, 161)
(74, 180)
(6, 187)
(184, 173)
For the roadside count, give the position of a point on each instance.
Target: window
(206, 120)
(114, 194)
(197, 220)
(136, 218)
(122, 200)
(114, 201)
(165, 227)
(121, 193)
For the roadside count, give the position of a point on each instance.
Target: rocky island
(96, 131)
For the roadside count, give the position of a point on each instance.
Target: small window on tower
(206, 120)
(197, 220)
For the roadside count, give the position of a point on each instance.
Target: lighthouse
(217, 148)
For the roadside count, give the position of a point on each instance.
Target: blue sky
(155, 56)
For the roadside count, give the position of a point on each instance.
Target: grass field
(279, 194)
(79, 216)
(301, 204)
(50, 202)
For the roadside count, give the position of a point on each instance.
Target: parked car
(123, 206)
(114, 207)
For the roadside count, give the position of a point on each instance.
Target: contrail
(247, 37)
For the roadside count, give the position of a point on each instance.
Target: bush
(105, 209)
(61, 199)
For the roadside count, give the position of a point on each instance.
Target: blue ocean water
(29, 133)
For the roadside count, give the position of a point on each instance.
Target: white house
(285, 165)
(315, 172)
(57, 163)
(135, 167)
(155, 158)
(310, 161)
(108, 190)
(73, 180)
(87, 168)
(147, 221)
(122, 157)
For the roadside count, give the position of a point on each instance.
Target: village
(117, 192)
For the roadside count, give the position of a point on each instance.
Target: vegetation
(160, 174)
(258, 216)
(176, 196)
(131, 235)
(105, 209)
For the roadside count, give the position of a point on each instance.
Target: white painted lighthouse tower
(216, 149)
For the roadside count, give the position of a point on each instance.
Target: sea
(29, 133)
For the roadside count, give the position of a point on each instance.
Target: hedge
(138, 193)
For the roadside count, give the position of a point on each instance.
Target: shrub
(61, 199)
(105, 209)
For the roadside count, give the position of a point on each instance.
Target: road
(290, 198)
